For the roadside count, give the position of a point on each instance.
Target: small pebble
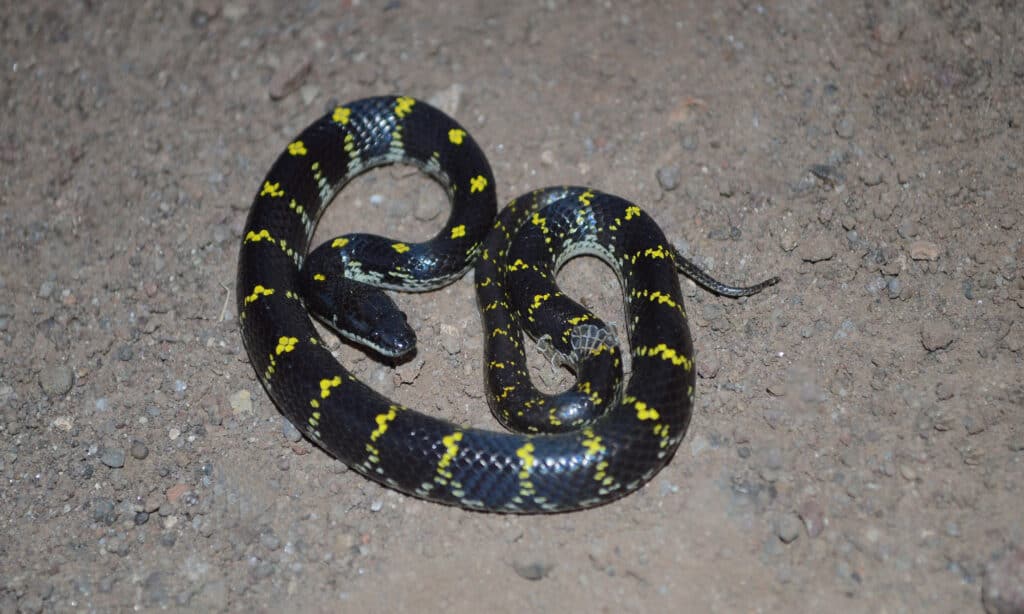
(937, 335)
(817, 249)
(270, 541)
(708, 367)
(448, 100)
(533, 570)
(241, 402)
(103, 511)
(308, 93)
(876, 285)
(828, 174)
(112, 457)
(174, 493)
(427, 209)
(289, 431)
(788, 528)
(289, 77)
(924, 250)
(138, 450)
(668, 177)
(973, 425)
(845, 127)
(46, 289)
(846, 328)
(451, 339)
(57, 380)
(895, 287)
(907, 228)
(813, 516)
(871, 177)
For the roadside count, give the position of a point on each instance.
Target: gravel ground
(858, 438)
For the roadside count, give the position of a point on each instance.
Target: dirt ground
(858, 440)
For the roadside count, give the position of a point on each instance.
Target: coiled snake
(583, 447)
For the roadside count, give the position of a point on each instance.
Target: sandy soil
(858, 440)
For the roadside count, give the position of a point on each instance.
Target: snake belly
(608, 457)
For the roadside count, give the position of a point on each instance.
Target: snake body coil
(587, 446)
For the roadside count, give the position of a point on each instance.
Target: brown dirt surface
(858, 438)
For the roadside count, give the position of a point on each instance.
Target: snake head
(360, 313)
(381, 326)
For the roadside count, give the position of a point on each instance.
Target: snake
(603, 438)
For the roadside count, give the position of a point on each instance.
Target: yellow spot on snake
(285, 344)
(314, 419)
(645, 413)
(526, 453)
(341, 114)
(451, 448)
(585, 197)
(540, 221)
(666, 353)
(403, 106)
(258, 236)
(272, 189)
(662, 298)
(518, 265)
(459, 231)
(257, 292)
(327, 384)
(632, 212)
(401, 248)
(339, 242)
(538, 299)
(477, 184)
(297, 148)
(656, 252)
(455, 135)
(593, 444)
(319, 277)
(382, 423)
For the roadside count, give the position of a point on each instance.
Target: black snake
(580, 448)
